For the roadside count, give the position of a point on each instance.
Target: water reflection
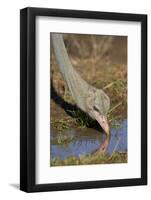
(82, 142)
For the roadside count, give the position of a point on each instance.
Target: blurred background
(100, 60)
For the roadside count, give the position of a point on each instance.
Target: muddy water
(82, 142)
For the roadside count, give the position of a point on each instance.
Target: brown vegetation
(102, 62)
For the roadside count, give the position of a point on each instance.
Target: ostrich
(89, 99)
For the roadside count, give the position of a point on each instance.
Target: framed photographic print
(83, 99)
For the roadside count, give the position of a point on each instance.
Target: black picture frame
(28, 98)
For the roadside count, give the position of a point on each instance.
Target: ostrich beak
(103, 122)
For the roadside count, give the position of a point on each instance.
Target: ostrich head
(98, 105)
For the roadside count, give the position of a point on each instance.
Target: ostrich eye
(95, 108)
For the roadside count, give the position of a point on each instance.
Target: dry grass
(102, 62)
(89, 159)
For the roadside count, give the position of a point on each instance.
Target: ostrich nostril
(95, 108)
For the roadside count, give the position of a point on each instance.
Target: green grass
(91, 159)
(62, 139)
(116, 89)
(82, 119)
(61, 125)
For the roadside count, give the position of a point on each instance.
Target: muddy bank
(102, 62)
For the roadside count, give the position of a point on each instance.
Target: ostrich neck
(77, 86)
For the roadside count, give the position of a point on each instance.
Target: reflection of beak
(103, 122)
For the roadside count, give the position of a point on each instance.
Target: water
(82, 142)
